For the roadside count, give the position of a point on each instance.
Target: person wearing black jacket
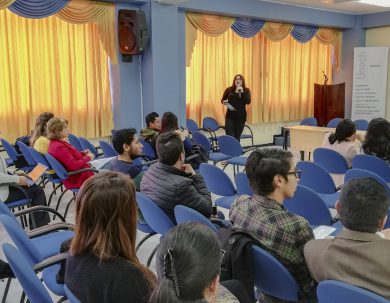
(236, 97)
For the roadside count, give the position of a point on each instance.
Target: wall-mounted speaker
(133, 35)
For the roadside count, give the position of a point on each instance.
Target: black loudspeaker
(133, 35)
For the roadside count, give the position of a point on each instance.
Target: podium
(329, 102)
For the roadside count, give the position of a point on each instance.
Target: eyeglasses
(297, 173)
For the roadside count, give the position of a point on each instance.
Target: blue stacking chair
(309, 121)
(230, 146)
(155, 217)
(333, 123)
(219, 183)
(192, 125)
(32, 286)
(11, 151)
(373, 164)
(86, 144)
(242, 184)
(308, 204)
(108, 150)
(330, 291)
(74, 140)
(70, 295)
(271, 277)
(361, 124)
(331, 160)
(148, 150)
(201, 139)
(26, 154)
(318, 179)
(185, 214)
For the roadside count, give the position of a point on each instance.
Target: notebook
(36, 173)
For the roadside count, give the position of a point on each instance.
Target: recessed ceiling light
(384, 3)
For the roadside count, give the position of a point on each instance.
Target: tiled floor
(143, 253)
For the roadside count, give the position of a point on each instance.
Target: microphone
(325, 77)
(239, 92)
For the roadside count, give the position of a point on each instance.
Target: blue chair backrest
(26, 154)
(9, 149)
(271, 277)
(201, 139)
(86, 144)
(148, 150)
(21, 240)
(361, 124)
(331, 160)
(154, 216)
(373, 164)
(308, 204)
(310, 121)
(70, 295)
(32, 286)
(333, 123)
(230, 146)
(242, 184)
(57, 167)
(356, 173)
(192, 125)
(217, 181)
(4, 210)
(330, 291)
(316, 177)
(185, 214)
(108, 150)
(73, 140)
(38, 157)
(211, 123)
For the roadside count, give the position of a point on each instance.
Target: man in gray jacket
(172, 182)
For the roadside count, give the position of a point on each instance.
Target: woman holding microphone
(236, 97)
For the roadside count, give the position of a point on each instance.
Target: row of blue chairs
(361, 124)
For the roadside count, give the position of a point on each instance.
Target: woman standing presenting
(236, 97)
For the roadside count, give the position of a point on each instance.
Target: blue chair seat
(241, 161)
(330, 199)
(17, 203)
(144, 227)
(225, 202)
(49, 278)
(48, 245)
(246, 136)
(217, 157)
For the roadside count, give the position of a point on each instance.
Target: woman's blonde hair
(55, 126)
(106, 220)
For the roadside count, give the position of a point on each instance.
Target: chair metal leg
(59, 201)
(6, 290)
(143, 240)
(152, 255)
(53, 193)
(67, 206)
(23, 297)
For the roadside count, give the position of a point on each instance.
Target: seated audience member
(377, 140)
(152, 129)
(39, 140)
(359, 254)
(344, 140)
(67, 154)
(273, 179)
(126, 144)
(171, 182)
(103, 266)
(188, 264)
(170, 123)
(9, 193)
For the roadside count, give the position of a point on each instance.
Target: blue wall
(163, 64)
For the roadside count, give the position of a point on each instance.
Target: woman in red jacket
(66, 154)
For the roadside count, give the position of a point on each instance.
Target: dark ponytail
(188, 260)
(345, 129)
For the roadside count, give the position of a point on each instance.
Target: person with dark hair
(103, 266)
(39, 140)
(236, 97)
(152, 129)
(358, 255)
(377, 140)
(273, 179)
(345, 141)
(188, 264)
(172, 182)
(126, 144)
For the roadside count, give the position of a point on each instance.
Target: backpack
(202, 155)
(236, 262)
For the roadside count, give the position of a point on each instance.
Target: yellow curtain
(51, 65)
(332, 36)
(103, 14)
(210, 24)
(6, 3)
(280, 75)
(277, 31)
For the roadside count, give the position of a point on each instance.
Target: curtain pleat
(5, 3)
(246, 27)
(37, 8)
(277, 31)
(210, 24)
(303, 33)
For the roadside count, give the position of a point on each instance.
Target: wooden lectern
(328, 102)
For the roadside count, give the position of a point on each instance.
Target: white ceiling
(346, 6)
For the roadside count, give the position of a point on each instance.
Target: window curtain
(279, 74)
(51, 65)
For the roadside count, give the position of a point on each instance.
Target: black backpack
(236, 263)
